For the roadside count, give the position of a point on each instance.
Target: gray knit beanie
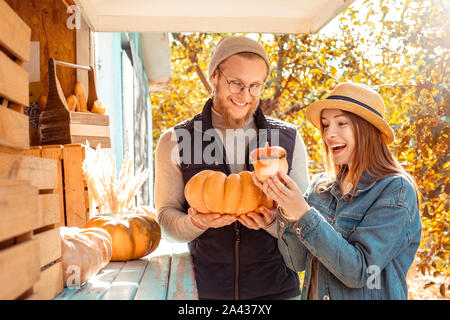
(230, 45)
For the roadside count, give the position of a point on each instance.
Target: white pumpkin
(85, 251)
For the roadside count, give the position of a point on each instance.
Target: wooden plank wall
(47, 20)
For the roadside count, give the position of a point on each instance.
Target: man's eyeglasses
(235, 86)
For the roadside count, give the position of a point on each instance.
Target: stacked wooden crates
(30, 247)
(71, 185)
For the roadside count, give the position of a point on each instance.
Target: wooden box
(14, 130)
(19, 258)
(14, 89)
(58, 125)
(71, 186)
(46, 233)
(30, 247)
(51, 279)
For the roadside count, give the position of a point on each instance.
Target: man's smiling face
(237, 108)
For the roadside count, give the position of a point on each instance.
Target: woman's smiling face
(338, 135)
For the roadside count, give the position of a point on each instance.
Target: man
(234, 257)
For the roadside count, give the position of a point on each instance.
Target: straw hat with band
(358, 99)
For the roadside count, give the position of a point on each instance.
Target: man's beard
(233, 123)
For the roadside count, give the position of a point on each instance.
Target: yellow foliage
(403, 52)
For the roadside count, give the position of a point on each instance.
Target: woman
(359, 228)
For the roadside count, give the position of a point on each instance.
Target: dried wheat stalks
(111, 194)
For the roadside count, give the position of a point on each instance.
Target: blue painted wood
(66, 294)
(108, 50)
(97, 285)
(182, 285)
(165, 274)
(126, 283)
(155, 280)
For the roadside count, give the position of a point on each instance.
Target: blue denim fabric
(364, 246)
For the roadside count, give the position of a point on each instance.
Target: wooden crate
(15, 50)
(19, 259)
(14, 91)
(33, 204)
(30, 246)
(58, 125)
(46, 233)
(14, 130)
(71, 186)
(51, 278)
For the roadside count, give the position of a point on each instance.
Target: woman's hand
(288, 196)
(210, 220)
(256, 221)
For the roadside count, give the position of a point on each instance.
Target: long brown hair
(371, 155)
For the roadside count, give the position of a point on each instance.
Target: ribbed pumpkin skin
(213, 191)
(88, 249)
(266, 167)
(133, 235)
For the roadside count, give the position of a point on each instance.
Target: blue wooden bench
(165, 274)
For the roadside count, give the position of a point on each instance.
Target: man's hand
(210, 220)
(256, 221)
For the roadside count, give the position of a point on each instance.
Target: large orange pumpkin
(84, 253)
(268, 161)
(213, 191)
(133, 235)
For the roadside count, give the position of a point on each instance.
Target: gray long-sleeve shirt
(176, 225)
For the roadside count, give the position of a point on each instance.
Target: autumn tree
(400, 48)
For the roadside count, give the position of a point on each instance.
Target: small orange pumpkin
(213, 191)
(133, 235)
(268, 161)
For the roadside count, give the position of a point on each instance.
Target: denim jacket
(364, 246)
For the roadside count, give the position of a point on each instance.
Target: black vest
(234, 262)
